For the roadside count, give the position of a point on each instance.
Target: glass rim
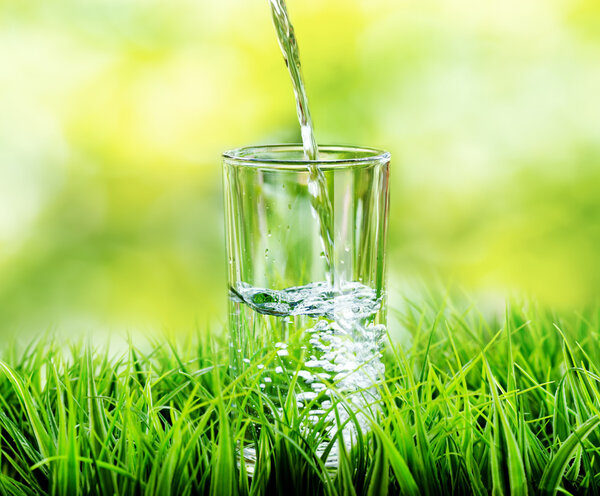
(250, 156)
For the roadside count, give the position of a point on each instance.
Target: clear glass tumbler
(301, 331)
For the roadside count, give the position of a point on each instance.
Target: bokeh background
(114, 115)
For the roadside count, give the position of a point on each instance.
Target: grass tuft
(472, 405)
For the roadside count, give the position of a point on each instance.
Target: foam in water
(333, 348)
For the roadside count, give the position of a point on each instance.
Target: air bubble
(340, 345)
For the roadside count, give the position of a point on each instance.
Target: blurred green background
(114, 115)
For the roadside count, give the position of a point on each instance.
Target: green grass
(470, 405)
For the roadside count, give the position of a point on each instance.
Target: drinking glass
(300, 324)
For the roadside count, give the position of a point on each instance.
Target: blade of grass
(551, 478)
